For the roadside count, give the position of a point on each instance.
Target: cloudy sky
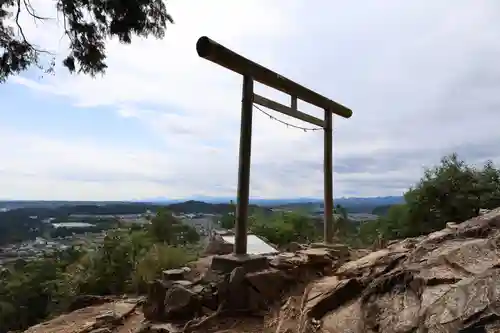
(422, 78)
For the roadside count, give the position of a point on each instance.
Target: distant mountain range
(372, 201)
(353, 204)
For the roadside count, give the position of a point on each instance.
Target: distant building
(48, 220)
(72, 225)
(222, 232)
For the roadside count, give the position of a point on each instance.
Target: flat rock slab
(269, 283)
(164, 328)
(183, 283)
(317, 255)
(339, 248)
(227, 263)
(174, 274)
(133, 324)
(84, 320)
(289, 260)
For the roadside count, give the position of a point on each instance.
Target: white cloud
(413, 72)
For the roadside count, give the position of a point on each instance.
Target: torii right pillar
(328, 177)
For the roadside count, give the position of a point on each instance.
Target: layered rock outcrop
(447, 281)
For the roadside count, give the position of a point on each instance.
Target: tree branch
(28, 44)
(31, 11)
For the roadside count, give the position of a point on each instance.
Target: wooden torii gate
(251, 71)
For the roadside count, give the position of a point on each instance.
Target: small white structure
(221, 242)
(255, 245)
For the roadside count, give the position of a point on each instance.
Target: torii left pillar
(241, 225)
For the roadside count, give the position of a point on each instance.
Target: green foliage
(108, 270)
(227, 221)
(283, 228)
(381, 210)
(340, 210)
(447, 192)
(395, 223)
(87, 24)
(228, 218)
(450, 192)
(391, 226)
(158, 258)
(165, 228)
(34, 290)
(189, 235)
(125, 263)
(489, 185)
(162, 225)
(344, 228)
(368, 232)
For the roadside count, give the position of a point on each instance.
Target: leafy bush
(165, 228)
(31, 292)
(158, 258)
(452, 191)
(125, 263)
(283, 228)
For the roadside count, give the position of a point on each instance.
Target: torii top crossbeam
(213, 51)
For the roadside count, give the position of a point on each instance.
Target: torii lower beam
(251, 71)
